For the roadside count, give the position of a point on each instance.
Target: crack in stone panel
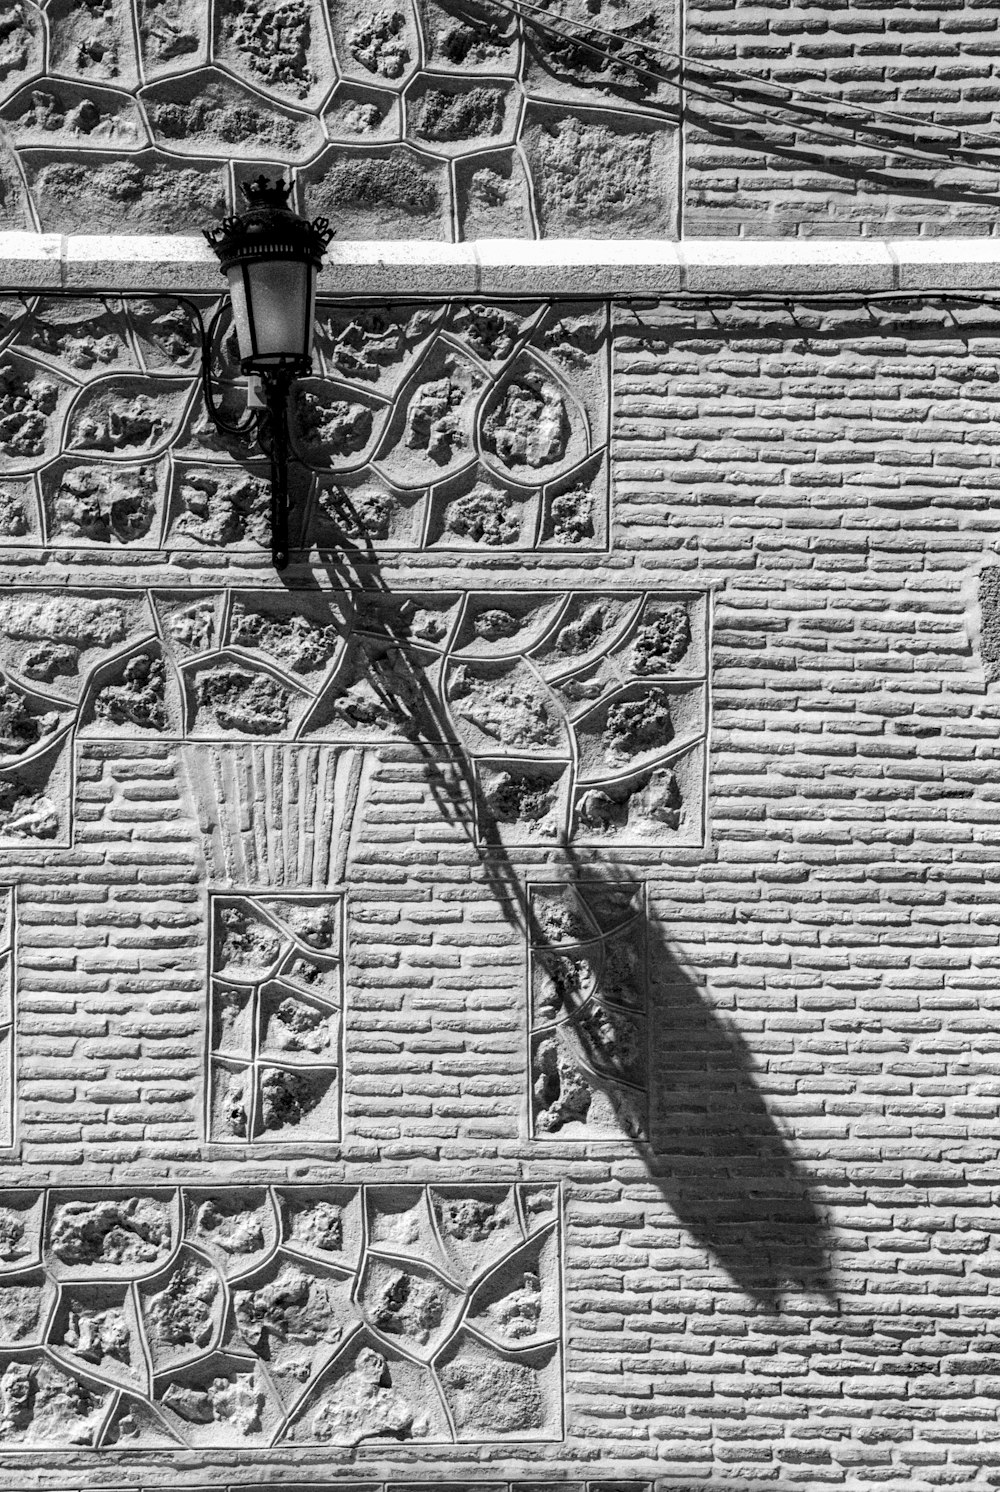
(239, 1318)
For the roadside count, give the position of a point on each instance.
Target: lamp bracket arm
(273, 437)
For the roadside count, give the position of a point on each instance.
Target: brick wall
(511, 1001)
(791, 1281)
(802, 170)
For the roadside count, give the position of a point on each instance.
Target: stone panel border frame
(276, 1014)
(587, 1006)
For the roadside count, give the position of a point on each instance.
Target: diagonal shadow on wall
(722, 1162)
(717, 1155)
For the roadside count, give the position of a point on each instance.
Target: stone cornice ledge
(498, 267)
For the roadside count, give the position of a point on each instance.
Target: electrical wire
(543, 17)
(536, 16)
(903, 152)
(910, 153)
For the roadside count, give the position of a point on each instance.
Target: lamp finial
(263, 192)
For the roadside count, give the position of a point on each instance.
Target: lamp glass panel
(280, 306)
(241, 311)
(314, 276)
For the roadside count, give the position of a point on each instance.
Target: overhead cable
(540, 15)
(925, 156)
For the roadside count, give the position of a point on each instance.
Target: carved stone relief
(275, 1035)
(238, 1318)
(588, 1025)
(455, 427)
(68, 662)
(462, 427)
(420, 118)
(275, 816)
(582, 716)
(586, 716)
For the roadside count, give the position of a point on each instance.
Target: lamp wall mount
(265, 424)
(271, 257)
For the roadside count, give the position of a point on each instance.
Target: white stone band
(510, 267)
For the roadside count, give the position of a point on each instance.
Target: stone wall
(511, 999)
(508, 1003)
(442, 120)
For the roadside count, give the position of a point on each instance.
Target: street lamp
(270, 256)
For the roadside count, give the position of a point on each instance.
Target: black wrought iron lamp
(271, 257)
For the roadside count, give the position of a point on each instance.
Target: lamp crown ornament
(268, 228)
(263, 192)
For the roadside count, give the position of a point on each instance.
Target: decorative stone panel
(451, 427)
(273, 815)
(588, 1028)
(434, 119)
(582, 715)
(460, 427)
(586, 716)
(275, 1033)
(240, 1318)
